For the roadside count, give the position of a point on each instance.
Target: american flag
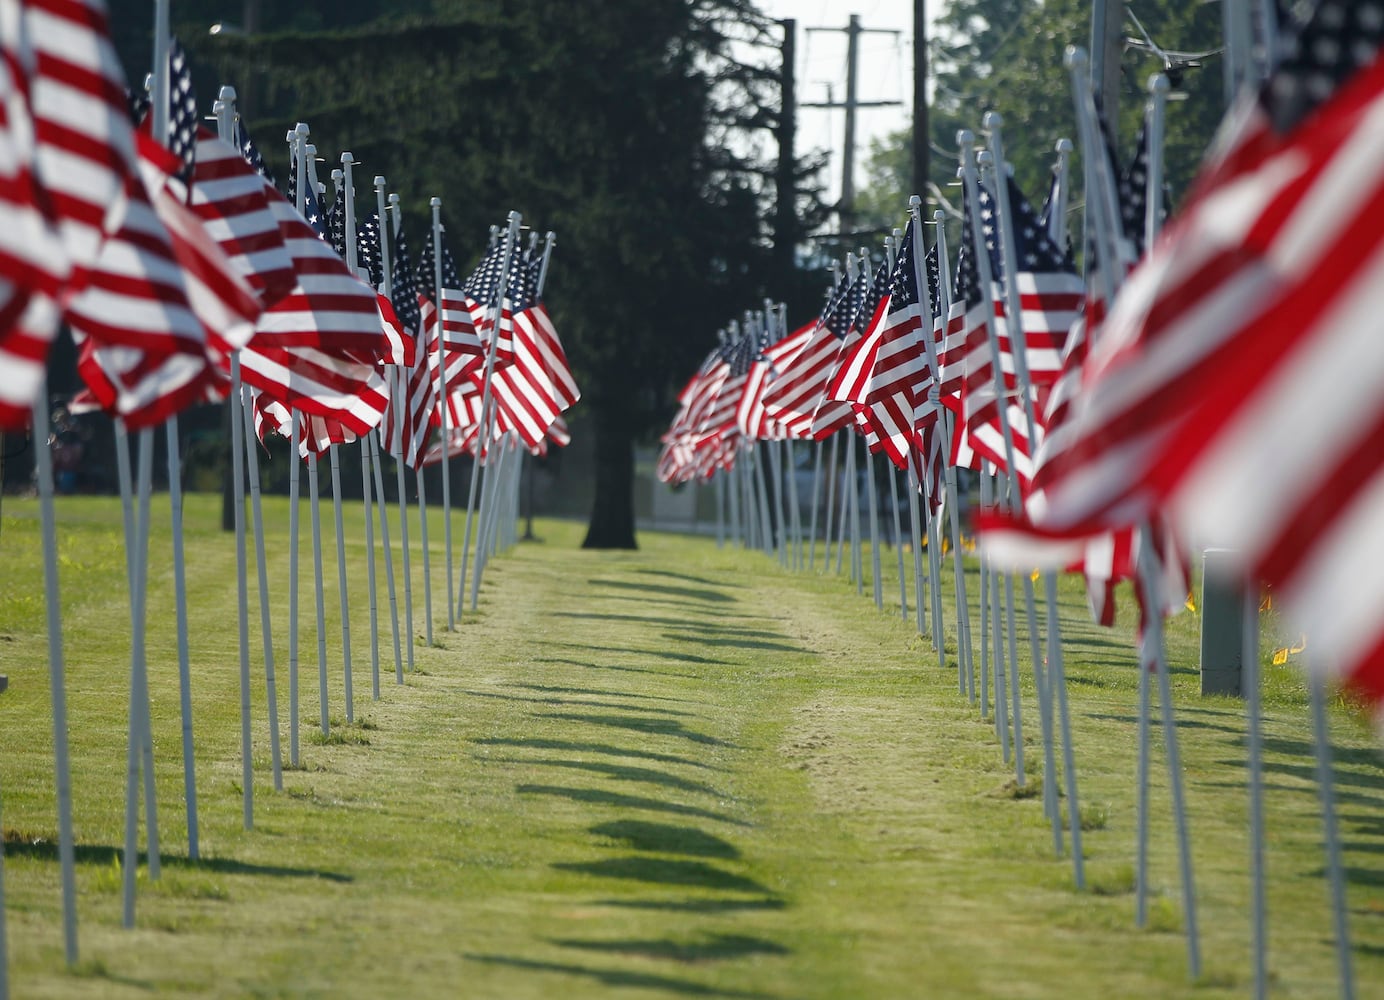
(830, 415)
(405, 287)
(368, 253)
(182, 117)
(336, 224)
(1247, 343)
(793, 397)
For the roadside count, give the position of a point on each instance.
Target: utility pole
(845, 208)
(920, 129)
(1107, 23)
(785, 178)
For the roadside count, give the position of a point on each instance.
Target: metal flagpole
(1321, 739)
(984, 606)
(766, 529)
(436, 204)
(964, 647)
(966, 140)
(266, 634)
(247, 773)
(1148, 659)
(175, 499)
(795, 523)
(916, 528)
(719, 482)
(872, 497)
(1154, 625)
(1249, 667)
(293, 475)
(401, 387)
(733, 497)
(62, 771)
(847, 489)
(816, 494)
(342, 589)
(833, 472)
(898, 539)
(352, 264)
(377, 464)
(427, 555)
(487, 400)
(315, 506)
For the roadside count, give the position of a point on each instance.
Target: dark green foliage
(1007, 56)
(610, 122)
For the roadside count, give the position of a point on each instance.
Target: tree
(1007, 55)
(612, 122)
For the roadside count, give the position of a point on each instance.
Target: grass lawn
(681, 771)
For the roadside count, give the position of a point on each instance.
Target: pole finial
(1158, 84)
(965, 138)
(302, 129)
(347, 158)
(915, 202)
(1075, 58)
(1063, 146)
(226, 93)
(992, 121)
(379, 181)
(435, 201)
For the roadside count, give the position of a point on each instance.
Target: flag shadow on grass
(736, 642)
(607, 749)
(664, 871)
(717, 626)
(686, 593)
(712, 948)
(18, 845)
(657, 654)
(620, 772)
(618, 800)
(609, 666)
(595, 692)
(638, 724)
(688, 578)
(666, 838)
(618, 706)
(619, 977)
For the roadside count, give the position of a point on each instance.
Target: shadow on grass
(665, 838)
(607, 749)
(617, 977)
(736, 642)
(686, 593)
(610, 666)
(621, 772)
(698, 905)
(618, 706)
(1360, 756)
(1308, 773)
(1342, 796)
(715, 626)
(688, 578)
(594, 692)
(657, 654)
(638, 724)
(593, 796)
(1354, 875)
(1182, 721)
(710, 949)
(45, 848)
(660, 871)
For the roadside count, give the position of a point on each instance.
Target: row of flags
(1141, 422)
(167, 254)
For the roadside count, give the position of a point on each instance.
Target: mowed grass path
(674, 772)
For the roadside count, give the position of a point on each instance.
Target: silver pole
(1149, 572)
(62, 770)
(266, 633)
(293, 476)
(175, 499)
(816, 492)
(436, 204)
(872, 497)
(427, 556)
(401, 381)
(370, 582)
(1259, 929)
(1331, 835)
(378, 466)
(342, 589)
(315, 506)
(247, 773)
(487, 401)
(720, 485)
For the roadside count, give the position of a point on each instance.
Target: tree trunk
(612, 512)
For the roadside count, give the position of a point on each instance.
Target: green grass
(675, 772)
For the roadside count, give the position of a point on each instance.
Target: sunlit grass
(679, 771)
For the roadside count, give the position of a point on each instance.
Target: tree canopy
(612, 122)
(1007, 56)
